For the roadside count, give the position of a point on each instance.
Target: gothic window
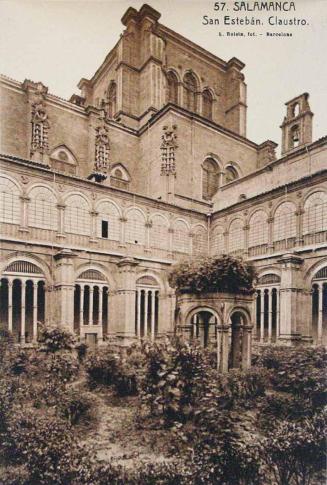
(135, 227)
(43, 208)
(284, 222)
(258, 229)
(108, 221)
(207, 102)
(181, 238)
(200, 241)
(77, 215)
(230, 174)
(190, 90)
(172, 85)
(217, 241)
(119, 177)
(210, 178)
(9, 201)
(147, 308)
(315, 213)
(236, 236)
(112, 99)
(159, 232)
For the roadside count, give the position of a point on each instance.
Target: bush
(213, 274)
(81, 349)
(63, 367)
(101, 367)
(56, 338)
(174, 378)
(76, 406)
(47, 447)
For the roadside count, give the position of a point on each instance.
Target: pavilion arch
(159, 231)
(193, 311)
(243, 311)
(203, 321)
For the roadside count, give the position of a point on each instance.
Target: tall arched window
(285, 222)
(159, 232)
(190, 89)
(172, 85)
(77, 215)
(315, 217)
(200, 241)
(112, 99)
(236, 236)
(181, 239)
(43, 208)
(108, 221)
(135, 227)
(217, 241)
(258, 231)
(9, 201)
(230, 174)
(210, 178)
(207, 102)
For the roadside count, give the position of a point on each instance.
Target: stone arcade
(101, 194)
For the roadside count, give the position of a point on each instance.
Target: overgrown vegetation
(256, 427)
(223, 273)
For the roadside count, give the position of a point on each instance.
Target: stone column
(138, 316)
(222, 347)
(124, 325)
(320, 312)
(292, 298)
(23, 311)
(81, 305)
(64, 285)
(91, 291)
(10, 285)
(246, 346)
(153, 314)
(269, 314)
(35, 287)
(146, 306)
(254, 313)
(277, 314)
(262, 315)
(100, 311)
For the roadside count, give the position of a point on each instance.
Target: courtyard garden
(159, 413)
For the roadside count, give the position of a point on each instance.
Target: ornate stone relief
(40, 121)
(168, 147)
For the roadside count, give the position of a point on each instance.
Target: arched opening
(91, 306)
(294, 136)
(172, 88)
(119, 177)
(210, 178)
(147, 308)
(267, 308)
(230, 174)
(190, 92)
(204, 328)
(207, 104)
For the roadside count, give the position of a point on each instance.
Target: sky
(58, 42)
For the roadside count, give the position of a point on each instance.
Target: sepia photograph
(163, 255)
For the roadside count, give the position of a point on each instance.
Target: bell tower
(297, 124)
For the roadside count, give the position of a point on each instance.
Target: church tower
(297, 124)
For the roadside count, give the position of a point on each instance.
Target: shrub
(56, 338)
(213, 274)
(296, 452)
(47, 447)
(101, 367)
(63, 367)
(81, 349)
(76, 406)
(173, 380)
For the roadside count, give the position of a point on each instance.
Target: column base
(292, 339)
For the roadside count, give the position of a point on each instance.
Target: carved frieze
(168, 147)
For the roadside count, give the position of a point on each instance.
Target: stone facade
(101, 194)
